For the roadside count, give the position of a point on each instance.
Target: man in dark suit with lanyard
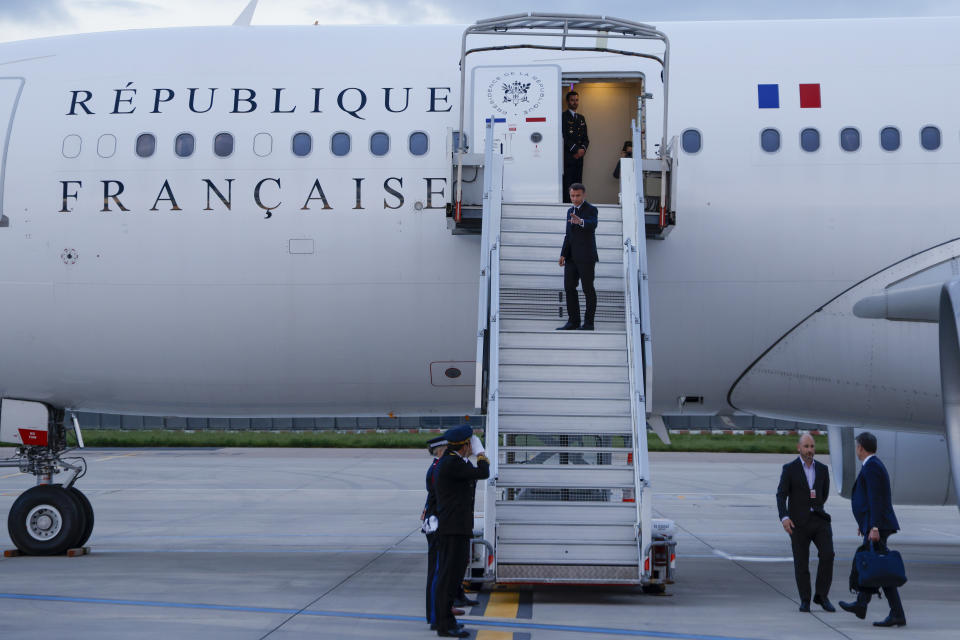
(579, 258)
(575, 143)
(456, 481)
(804, 487)
(872, 506)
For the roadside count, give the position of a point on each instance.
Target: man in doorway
(579, 257)
(873, 510)
(804, 487)
(575, 143)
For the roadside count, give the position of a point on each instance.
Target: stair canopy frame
(563, 26)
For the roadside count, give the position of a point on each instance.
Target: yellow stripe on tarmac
(487, 634)
(503, 604)
(122, 455)
(12, 475)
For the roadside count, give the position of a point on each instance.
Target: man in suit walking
(873, 510)
(804, 487)
(575, 143)
(579, 257)
(456, 481)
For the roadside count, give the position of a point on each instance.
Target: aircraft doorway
(608, 106)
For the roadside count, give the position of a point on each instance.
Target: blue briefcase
(880, 568)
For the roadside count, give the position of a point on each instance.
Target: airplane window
(418, 143)
(809, 139)
(184, 145)
(302, 144)
(770, 140)
(223, 144)
(106, 146)
(262, 144)
(379, 143)
(930, 138)
(340, 144)
(146, 145)
(691, 141)
(71, 146)
(890, 138)
(849, 139)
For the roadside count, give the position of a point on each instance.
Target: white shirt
(865, 459)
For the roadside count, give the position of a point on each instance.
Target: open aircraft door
(10, 89)
(524, 102)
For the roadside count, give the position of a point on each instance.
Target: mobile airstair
(569, 497)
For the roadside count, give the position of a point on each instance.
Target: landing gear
(46, 520)
(49, 518)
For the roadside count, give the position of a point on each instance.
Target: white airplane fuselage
(332, 286)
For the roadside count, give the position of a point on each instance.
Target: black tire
(655, 589)
(45, 520)
(87, 510)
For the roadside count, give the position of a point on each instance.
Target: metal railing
(488, 320)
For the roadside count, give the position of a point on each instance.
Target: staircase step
(551, 324)
(563, 357)
(556, 280)
(551, 552)
(554, 225)
(533, 512)
(553, 423)
(551, 267)
(551, 479)
(563, 390)
(605, 212)
(524, 239)
(552, 252)
(567, 532)
(563, 340)
(590, 407)
(575, 375)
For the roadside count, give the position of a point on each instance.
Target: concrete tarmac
(324, 543)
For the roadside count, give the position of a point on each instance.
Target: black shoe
(568, 327)
(459, 632)
(855, 608)
(891, 621)
(805, 606)
(824, 602)
(464, 601)
(586, 327)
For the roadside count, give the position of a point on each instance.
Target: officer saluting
(455, 486)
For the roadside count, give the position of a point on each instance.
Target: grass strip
(405, 440)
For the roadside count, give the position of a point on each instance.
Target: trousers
(454, 555)
(574, 272)
(818, 531)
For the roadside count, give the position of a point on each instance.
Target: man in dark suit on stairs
(579, 257)
(873, 510)
(804, 487)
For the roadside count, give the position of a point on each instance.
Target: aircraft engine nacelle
(917, 462)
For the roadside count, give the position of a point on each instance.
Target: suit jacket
(871, 500)
(580, 243)
(574, 129)
(793, 494)
(455, 486)
(430, 508)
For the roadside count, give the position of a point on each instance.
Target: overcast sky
(21, 19)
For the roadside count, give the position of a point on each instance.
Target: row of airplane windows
(301, 144)
(890, 139)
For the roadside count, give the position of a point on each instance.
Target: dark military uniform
(430, 509)
(455, 486)
(574, 127)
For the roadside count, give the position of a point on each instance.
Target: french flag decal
(768, 96)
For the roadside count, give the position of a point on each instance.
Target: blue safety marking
(768, 96)
(495, 120)
(634, 633)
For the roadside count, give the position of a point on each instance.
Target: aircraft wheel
(87, 510)
(655, 589)
(45, 520)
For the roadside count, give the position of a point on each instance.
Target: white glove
(476, 446)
